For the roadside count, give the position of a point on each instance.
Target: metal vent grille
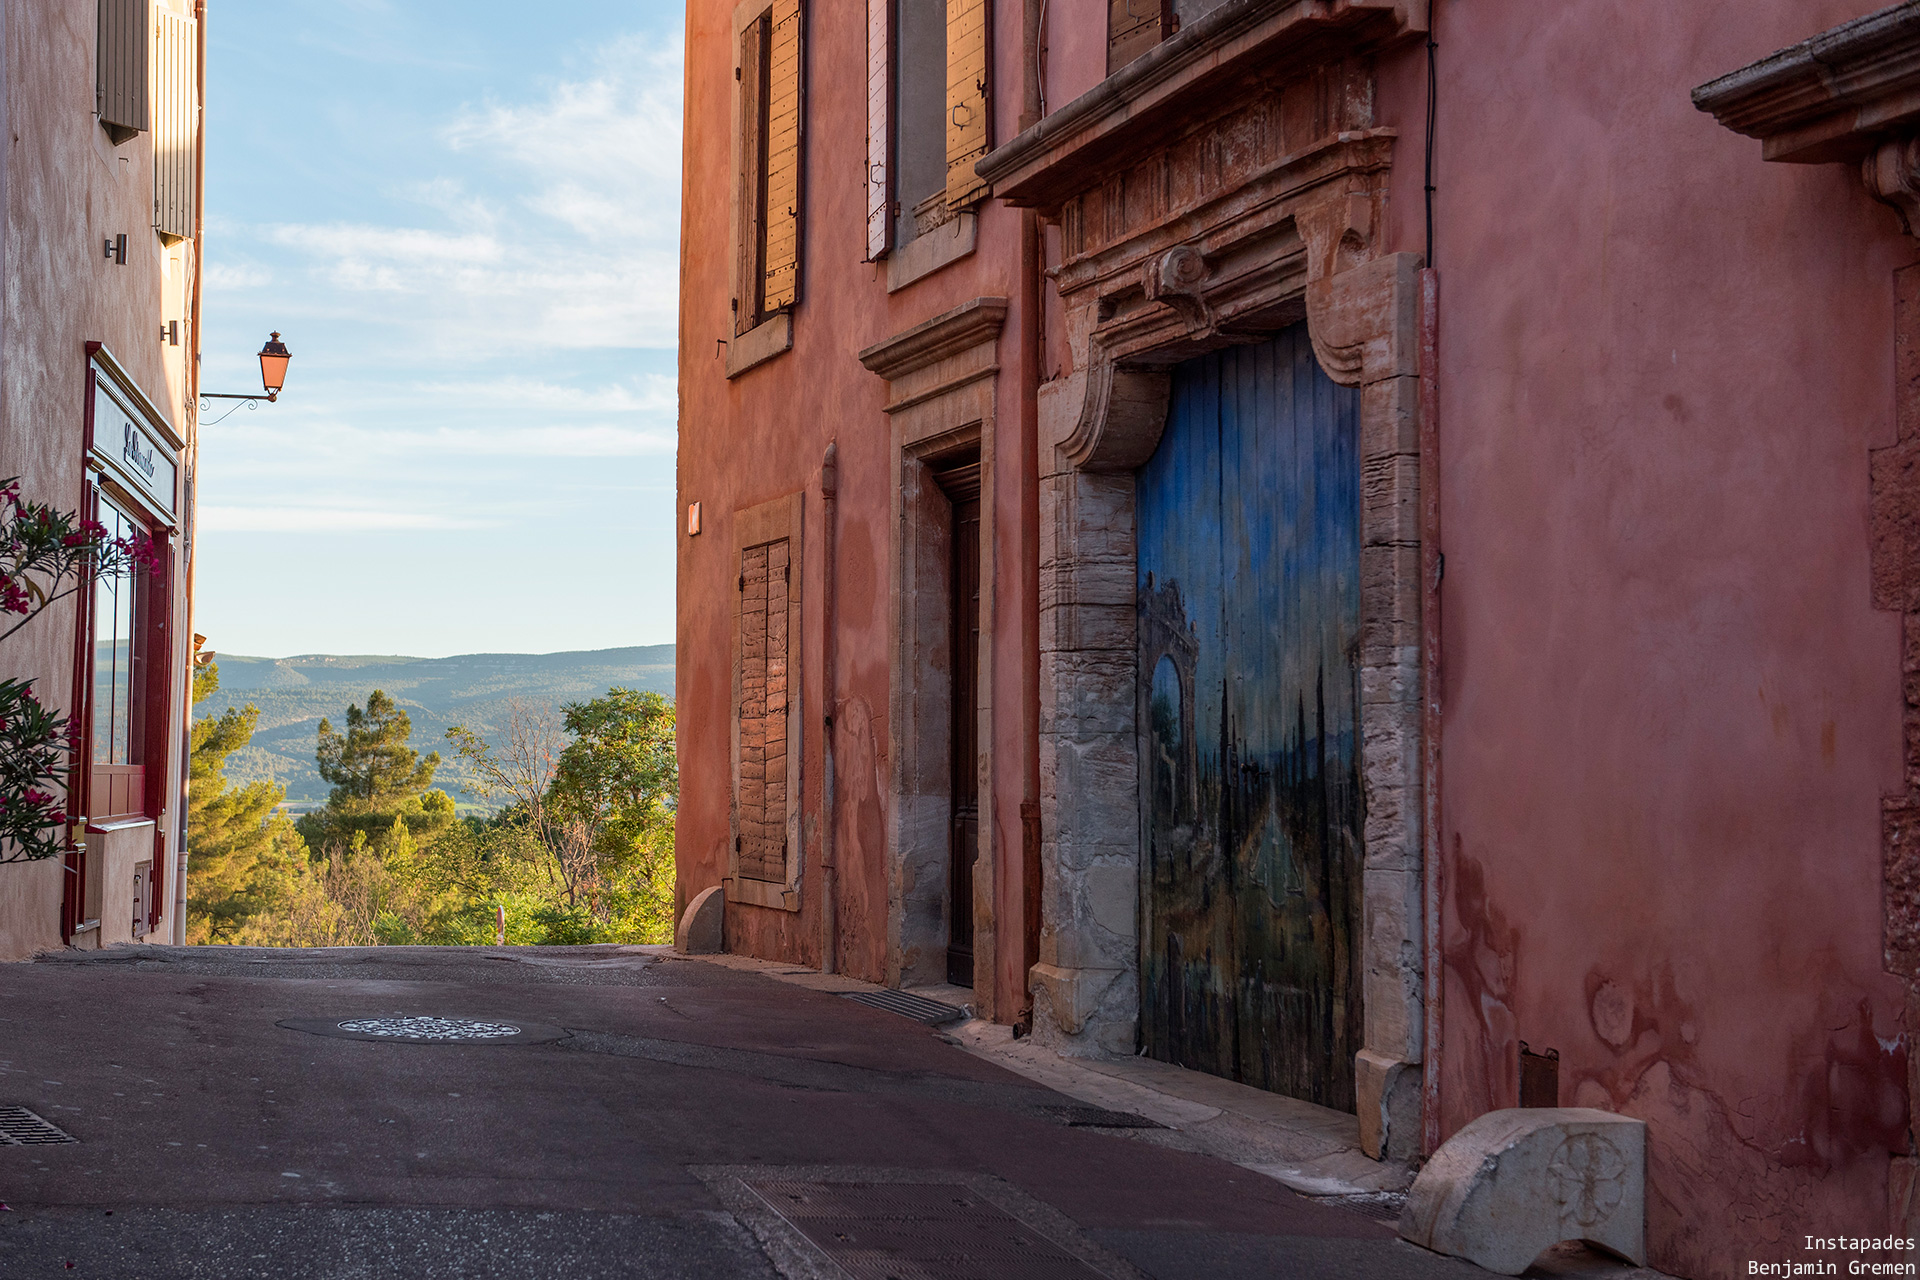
(1100, 1118)
(919, 1008)
(919, 1231)
(19, 1127)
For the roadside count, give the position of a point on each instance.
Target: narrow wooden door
(965, 721)
(1249, 610)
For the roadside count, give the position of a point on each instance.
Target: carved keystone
(702, 930)
(1514, 1183)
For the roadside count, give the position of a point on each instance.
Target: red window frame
(100, 794)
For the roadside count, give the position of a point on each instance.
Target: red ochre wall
(763, 435)
(1670, 711)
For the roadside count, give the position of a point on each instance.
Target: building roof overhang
(1205, 70)
(1831, 98)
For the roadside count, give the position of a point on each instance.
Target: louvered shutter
(967, 118)
(879, 128)
(176, 125)
(120, 66)
(1133, 27)
(764, 574)
(751, 234)
(783, 158)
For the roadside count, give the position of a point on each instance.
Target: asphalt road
(214, 1142)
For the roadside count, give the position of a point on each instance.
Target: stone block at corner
(1514, 1183)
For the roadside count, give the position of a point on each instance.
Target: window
(927, 115)
(120, 626)
(176, 126)
(767, 190)
(120, 67)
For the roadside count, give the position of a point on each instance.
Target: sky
(463, 218)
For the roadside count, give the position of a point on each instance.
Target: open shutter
(764, 572)
(879, 128)
(751, 235)
(120, 67)
(176, 125)
(1135, 26)
(967, 119)
(783, 157)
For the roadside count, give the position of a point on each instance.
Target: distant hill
(472, 690)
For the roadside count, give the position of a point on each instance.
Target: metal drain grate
(403, 1029)
(430, 1028)
(19, 1127)
(919, 1231)
(919, 1008)
(1099, 1118)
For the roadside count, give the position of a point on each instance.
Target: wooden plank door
(1249, 609)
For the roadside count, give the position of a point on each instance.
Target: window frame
(756, 331)
(149, 503)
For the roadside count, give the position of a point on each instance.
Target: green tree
(243, 853)
(377, 780)
(619, 779)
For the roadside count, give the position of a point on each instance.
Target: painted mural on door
(1249, 602)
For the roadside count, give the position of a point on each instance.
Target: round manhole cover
(401, 1028)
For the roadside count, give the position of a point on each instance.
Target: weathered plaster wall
(764, 433)
(1670, 711)
(66, 188)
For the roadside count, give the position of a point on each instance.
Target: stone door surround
(941, 377)
(1223, 186)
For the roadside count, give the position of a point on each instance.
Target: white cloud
(571, 242)
(222, 519)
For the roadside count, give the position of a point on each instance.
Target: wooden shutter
(1135, 26)
(967, 117)
(751, 233)
(783, 158)
(176, 126)
(120, 66)
(879, 128)
(764, 579)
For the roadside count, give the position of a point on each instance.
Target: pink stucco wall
(1670, 711)
(66, 189)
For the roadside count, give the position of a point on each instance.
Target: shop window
(767, 187)
(120, 67)
(121, 624)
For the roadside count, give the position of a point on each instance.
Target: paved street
(655, 1136)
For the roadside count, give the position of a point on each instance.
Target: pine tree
(377, 780)
(241, 852)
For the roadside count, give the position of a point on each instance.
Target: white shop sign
(134, 451)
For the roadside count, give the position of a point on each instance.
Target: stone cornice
(1834, 97)
(933, 340)
(1203, 71)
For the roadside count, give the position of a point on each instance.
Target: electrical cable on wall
(1433, 98)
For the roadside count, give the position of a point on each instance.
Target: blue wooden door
(1249, 601)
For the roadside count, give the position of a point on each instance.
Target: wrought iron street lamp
(274, 357)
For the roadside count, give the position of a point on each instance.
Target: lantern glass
(273, 365)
